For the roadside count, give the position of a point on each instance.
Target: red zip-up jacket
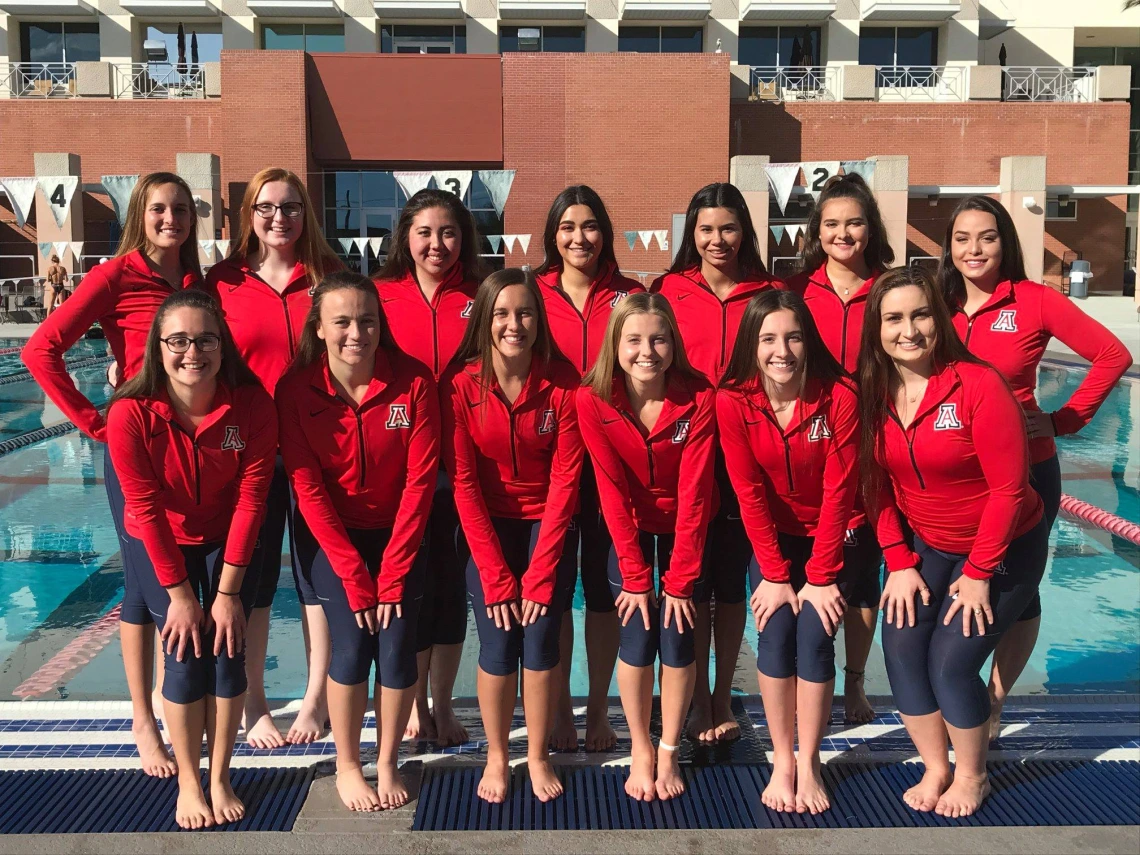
(520, 461)
(708, 326)
(368, 466)
(266, 326)
(123, 294)
(959, 473)
(840, 324)
(660, 483)
(205, 486)
(801, 480)
(429, 332)
(1011, 332)
(579, 334)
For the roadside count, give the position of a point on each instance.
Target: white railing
(1037, 83)
(794, 83)
(38, 79)
(159, 80)
(921, 82)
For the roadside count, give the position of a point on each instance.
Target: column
(1023, 194)
(602, 26)
(891, 186)
(748, 173)
(51, 199)
(204, 175)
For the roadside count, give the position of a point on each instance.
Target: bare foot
(159, 709)
(309, 726)
(640, 784)
(856, 708)
(264, 733)
(600, 734)
(156, 761)
(390, 787)
(355, 792)
(496, 780)
(543, 779)
(191, 810)
(448, 729)
(964, 797)
(669, 782)
(811, 795)
(725, 726)
(701, 721)
(227, 806)
(780, 794)
(925, 794)
(420, 723)
(995, 718)
(564, 735)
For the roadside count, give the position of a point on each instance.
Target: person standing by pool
(646, 416)
(788, 421)
(360, 437)
(55, 286)
(514, 454)
(427, 291)
(944, 443)
(581, 285)
(1009, 321)
(157, 256)
(193, 436)
(265, 290)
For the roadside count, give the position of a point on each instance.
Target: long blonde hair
(134, 229)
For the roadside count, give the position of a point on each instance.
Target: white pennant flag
(207, 248)
(864, 168)
(496, 242)
(662, 236)
(524, 240)
(777, 233)
(377, 245)
(781, 178)
(77, 249)
(346, 245)
(119, 188)
(455, 181)
(58, 190)
(498, 183)
(645, 236)
(817, 173)
(509, 243)
(361, 243)
(223, 247)
(794, 232)
(412, 182)
(60, 247)
(22, 194)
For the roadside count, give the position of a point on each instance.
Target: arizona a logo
(819, 429)
(546, 424)
(398, 417)
(466, 313)
(1006, 321)
(233, 440)
(947, 417)
(681, 432)
(618, 297)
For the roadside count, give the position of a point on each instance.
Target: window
(314, 38)
(780, 46)
(550, 39)
(661, 39)
(1095, 56)
(209, 43)
(895, 46)
(400, 38)
(58, 42)
(1056, 209)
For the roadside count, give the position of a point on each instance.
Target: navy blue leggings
(133, 609)
(1045, 478)
(536, 646)
(443, 618)
(595, 541)
(639, 646)
(279, 512)
(728, 565)
(934, 667)
(193, 678)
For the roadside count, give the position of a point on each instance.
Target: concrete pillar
(361, 34)
(239, 32)
(117, 39)
(602, 26)
(49, 165)
(9, 47)
(724, 24)
(748, 172)
(1023, 194)
(203, 173)
(483, 35)
(841, 35)
(891, 186)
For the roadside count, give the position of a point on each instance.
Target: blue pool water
(10, 359)
(59, 567)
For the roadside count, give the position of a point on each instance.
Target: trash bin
(1080, 274)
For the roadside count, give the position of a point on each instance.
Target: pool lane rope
(85, 362)
(1101, 518)
(74, 656)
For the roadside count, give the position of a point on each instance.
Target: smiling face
(514, 321)
(350, 327)
(645, 350)
(907, 327)
(579, 239)
(196, 366)
(843, 231)
(278, 230)
(718, 236)
(168, 214)
(780, 349)
(434, 242)
(975, 248)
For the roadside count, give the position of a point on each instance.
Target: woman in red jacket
(944, 444)
(717, 270)
(192, 437)
(647, 418)
(514, 454)
(360, 438)
(581, 285)
(1008, 321)
(427, 291)
(265, 290)
(157, 257)
(845, 250)
(788, 420)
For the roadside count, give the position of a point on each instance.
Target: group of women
(433, 436)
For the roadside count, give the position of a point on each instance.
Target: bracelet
(230, 593)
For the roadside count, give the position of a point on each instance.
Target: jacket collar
(537, 379)
(299, 274)
(820, 279)
(679, 400)
(382, 375)
(1003, 293)
(815, 398)
(939, 387)
(138, 264)
(220, 406)
(743, 290)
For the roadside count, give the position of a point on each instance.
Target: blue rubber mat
(1029, 793)
(87, 802)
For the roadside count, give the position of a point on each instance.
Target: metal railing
(1045, 83)
(38, 79)
(794, 83)
(921, 82)
(159, 80)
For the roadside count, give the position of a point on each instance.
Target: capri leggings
(1045, 478)
(934, 667)
(188, 681)
(729, 568)
(639, 646)
(354, 649)
(800, 646)
(443, 618)
(279, 512)
(595, 541)
(133, 609)
(536, 646)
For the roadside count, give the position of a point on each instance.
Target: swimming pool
(59, 570)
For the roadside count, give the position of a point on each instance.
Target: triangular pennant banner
(58, 190)
(496, 242)
(208, 248)
(361, 243)
(817, 172)
(646, 237)
(498, 183)
(45, 248)
(864, 168)
(60, 247)
(119, 188)
(412, 182)
(22, 194)
(781, 178)
(662, 236)
(346, 245)
(524, 240)
(455, 181)
(777, 233)
(631, 238)
(794, 232)
(76, 248)
(509, 243)
(223, 247)
(377, 245)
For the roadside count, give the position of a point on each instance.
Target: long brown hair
(134, 228)
(312, 249)
(600, 378)
(311, 347)
(400, 262)
(1012, 267)
(722, 195)
(233, 371)
(743, 368)
(577, 194)
(878, 255)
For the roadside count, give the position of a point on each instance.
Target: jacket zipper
(360, 446)
(197, 462)
(909, 437)
(288, 327)
(843, 340)
(510, 432)
(648, 448)
(787, 450)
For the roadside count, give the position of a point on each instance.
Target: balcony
(159, 80)
(1036, 83)
(921, 83)
(38, 79)
(794, 83)
(106, 80)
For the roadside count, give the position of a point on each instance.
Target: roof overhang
(925, 191)
(1093, 191)
(446, 10)
(295, 9)
(542, 10)
(805, 10)
(58, 9)
(666, 10)
(171, 8)
(934, 11)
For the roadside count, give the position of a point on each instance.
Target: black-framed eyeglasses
(181, 343)
(267, 210)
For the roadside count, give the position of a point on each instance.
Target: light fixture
(932, 199)
(1029, 202)
(1063, 199)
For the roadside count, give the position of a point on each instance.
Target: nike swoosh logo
(681, 297)
(610, 421)
(473, 404)
(753, 421)
(317, 412)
